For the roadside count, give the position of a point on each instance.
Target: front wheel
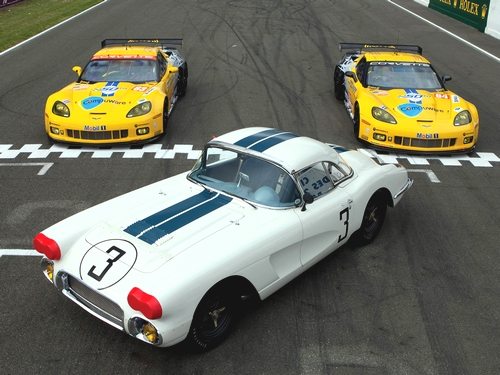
(373, 219)
(165, 115)
(212, 321)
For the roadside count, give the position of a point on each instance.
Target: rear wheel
(356, 121)
(183, 80)
(213, 320)
(373, 219)
(338, 83)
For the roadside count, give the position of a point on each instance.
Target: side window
(338, 172)
(315, 179)
(162, 62)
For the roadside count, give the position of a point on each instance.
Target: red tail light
(145, 303)
(47, 246)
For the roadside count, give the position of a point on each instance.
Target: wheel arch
(385, 195)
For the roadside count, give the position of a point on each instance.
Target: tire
(356, 121)
(213, 320)
(183, 80)
(373, 219)
(165, 115)
(338, 84)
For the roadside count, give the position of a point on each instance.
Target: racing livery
(397, 100)
(175, 261)
(124, 94)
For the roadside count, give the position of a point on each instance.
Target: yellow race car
(124, 94)
(397, 100)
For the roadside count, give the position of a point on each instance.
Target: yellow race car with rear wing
(124, 94)
(396, 100)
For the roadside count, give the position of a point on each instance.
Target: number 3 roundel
(107, 262)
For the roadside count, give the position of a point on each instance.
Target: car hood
(149, 232)
(105, 96)
(420, 106)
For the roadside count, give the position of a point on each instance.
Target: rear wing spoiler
(171, 43)
(360, 47)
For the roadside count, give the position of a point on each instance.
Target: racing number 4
(110, 262)
(344, 212)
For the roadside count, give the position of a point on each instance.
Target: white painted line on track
(41, 172)
(51, 28)
(432, 176)
(496, 58)
(19, 252)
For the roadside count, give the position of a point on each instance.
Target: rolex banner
(474, 12)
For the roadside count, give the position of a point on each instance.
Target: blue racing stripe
(167, 213)
(251, 139)
(153, 235)
(272, 141)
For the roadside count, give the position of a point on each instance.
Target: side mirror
(308, 199)
(351, 75)
(446, 78)
(78, 70)
(173, 69)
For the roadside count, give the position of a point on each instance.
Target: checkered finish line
(35, 151)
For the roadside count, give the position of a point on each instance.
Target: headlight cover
(60, 109)
(462, 118)
(382, 115)
(140, 109)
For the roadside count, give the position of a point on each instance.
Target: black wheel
(356, 121)
(338, 83)
(373, 219)
(213, 320)
(183, 80)
(165, 115)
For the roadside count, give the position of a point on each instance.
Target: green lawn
(20, 21)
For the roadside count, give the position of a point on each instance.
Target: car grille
(425, 143)
(91, 299)
(97, 135)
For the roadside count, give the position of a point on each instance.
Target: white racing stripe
(19, 252)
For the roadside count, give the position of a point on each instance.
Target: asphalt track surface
(422, 299)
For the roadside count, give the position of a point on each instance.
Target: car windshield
(246, 176)
(120, 70)
(402, 75)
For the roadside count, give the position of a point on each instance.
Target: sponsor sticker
(94, 128)
(442, 96)
(410, 109)
(91, 102)
(428, 135)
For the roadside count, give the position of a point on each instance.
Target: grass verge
(22, 20)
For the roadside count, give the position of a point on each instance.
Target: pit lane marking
(432, 176)
(35, 151)
(41, 172)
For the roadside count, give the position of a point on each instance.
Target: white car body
(175, 239)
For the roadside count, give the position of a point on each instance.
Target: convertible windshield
(402, 75)
(247, 177)
(120, 70)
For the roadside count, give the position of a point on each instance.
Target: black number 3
(346, 222)
(110, 262)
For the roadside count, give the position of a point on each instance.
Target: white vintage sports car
(176, 260)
